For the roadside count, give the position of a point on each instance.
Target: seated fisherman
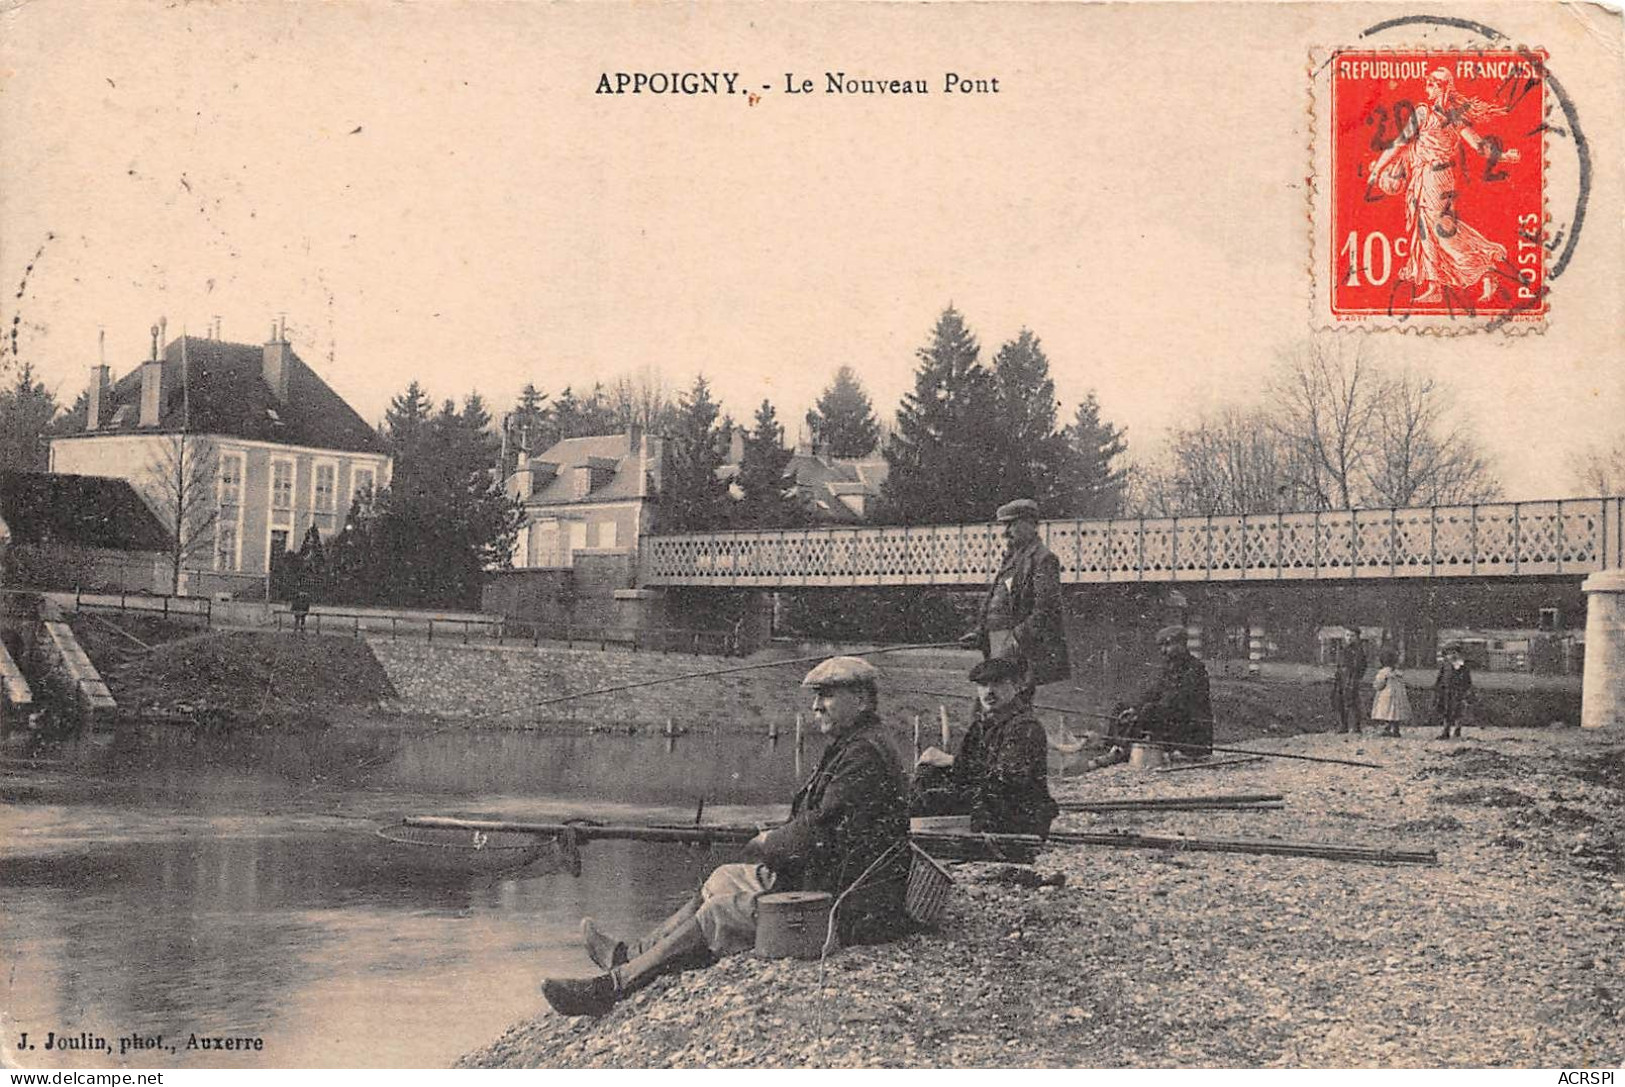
(850, 812)
(1000, 775)
(1177, 709)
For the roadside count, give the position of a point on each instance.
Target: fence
(499, 630)
(190, 609)
(1492, 539)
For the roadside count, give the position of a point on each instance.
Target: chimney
(275, 368)
(634, 438)
(520, 485)
(98, 383)
(736, 446)
(152, 377)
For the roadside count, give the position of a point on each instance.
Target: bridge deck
(1493, 539)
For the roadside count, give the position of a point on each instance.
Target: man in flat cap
(1351, 662)
(1021, 613)
(843, 821)
(1177, 709)
(1000, 776)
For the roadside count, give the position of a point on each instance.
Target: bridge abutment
(1602, 693)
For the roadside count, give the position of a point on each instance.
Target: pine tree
(529, 427)
(946, 435)
(27, 409)
(406, 428)
(1097, 478)
(692, 497)
(1034, 459)
(843, 421)
(767, 497)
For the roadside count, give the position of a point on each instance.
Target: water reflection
(238, 889)
(335, 950)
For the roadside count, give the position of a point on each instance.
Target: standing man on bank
(1350, 667)
(1022, 616)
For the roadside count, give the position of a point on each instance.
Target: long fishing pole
(1162, 743)
(730, 671)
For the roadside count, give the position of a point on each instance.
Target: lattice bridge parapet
(1558, 537)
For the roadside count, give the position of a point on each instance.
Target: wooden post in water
(947, 733)
(773, 729)
(916, 737)
(801, 739)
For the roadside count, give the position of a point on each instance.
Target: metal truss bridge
(1563, 537)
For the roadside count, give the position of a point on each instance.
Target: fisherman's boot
(684, 946)
(606, 951)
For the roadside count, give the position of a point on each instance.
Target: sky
(435, 192)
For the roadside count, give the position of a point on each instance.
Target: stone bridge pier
(1602, 697)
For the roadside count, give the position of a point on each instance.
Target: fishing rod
(1165, 744)
(732, 670)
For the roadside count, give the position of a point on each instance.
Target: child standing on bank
(1392, 706)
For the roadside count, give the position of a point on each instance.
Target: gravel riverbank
(1507, 953)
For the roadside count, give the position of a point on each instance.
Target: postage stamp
(1430, 189)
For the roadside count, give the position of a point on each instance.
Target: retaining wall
(504, 685)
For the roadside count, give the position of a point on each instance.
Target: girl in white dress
(1392, 707)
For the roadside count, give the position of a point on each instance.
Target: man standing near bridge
(1022, 618)
(1350, 667)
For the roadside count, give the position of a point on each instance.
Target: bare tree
(1599, 471)
(643, 399)
(1324, 399)
(1230, 461)
(180, 487)
(1419, 455)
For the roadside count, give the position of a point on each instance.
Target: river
(237, 889)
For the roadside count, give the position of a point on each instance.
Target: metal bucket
(1146, 757)
(792, 924)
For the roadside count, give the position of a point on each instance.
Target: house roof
(91, 511)
(603, 452)
(225, 394)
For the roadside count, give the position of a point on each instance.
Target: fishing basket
(928, 886)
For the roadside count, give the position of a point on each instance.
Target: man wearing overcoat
(1000, 775)
(846, 834)
(1177, 709)
(1022, 615)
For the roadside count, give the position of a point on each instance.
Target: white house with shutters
(284, 451)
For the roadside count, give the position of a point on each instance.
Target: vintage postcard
(841, 535)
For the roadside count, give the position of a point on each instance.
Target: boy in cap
(1001, 774)
(842, 821)
(1452, 690)
(1178, 708)
(1022, 615)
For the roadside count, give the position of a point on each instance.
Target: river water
(238, 890)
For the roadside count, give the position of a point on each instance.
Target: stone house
(245, 438)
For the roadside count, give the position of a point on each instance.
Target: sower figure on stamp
(1178, 708)
(843, 821)
(1022, 616)
(1351, 662)
(1452, 691)
(1444, 252)
(1000, 776)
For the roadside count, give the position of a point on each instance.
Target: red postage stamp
(1430, 189)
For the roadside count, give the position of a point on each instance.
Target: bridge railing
(1486, 539)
